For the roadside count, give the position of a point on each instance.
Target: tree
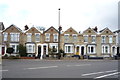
(62, 51)
(10, 50)
(22, 50)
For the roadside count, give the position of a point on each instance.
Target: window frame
(29, 37)
(37, 37)
(85, 38)
(110, 38)
(47, 38)
(55, 39)
(93, 39)
(103, 40)
(5, 36)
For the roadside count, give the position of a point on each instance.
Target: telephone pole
(59, 31)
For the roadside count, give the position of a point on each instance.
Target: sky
(78, 14)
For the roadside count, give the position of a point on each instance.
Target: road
(60, 69)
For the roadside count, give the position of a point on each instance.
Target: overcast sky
(79, 14)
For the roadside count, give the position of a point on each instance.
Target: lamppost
(59, 30)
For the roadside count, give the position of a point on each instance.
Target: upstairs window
(103, 39)
(29, 37)
(66, 37)
(93, 39)
(5, 35)
(110, 39)
(74, 37)
(85, 38)
(14, 37)
(55, 37)
(47, 37)
(37, 37)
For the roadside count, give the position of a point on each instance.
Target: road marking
(107, 75)
(3, 70)
(98, 72)
(79, 65)
(42, 67)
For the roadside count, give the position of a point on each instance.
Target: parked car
(78, 56)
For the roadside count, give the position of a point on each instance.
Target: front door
(39, 51)
(82, 50)
(44, 49)
(118, 51)
(3, 50)
(77, 50)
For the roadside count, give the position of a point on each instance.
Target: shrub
(22, 50)
(14, 57)
(10, 50)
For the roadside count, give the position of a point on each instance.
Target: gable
(106, 32)
(32, 30)
(13, 28)
(51, 30)
(70, 31)
(89, 31)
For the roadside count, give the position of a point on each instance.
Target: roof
(31, 28)
(14, 26)
(49, 29)
(72, 29)
(2, 26)
(90, 29)
(103, 30)
(117, 31)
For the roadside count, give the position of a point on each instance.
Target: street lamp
(59, 30)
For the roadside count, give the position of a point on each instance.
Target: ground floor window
(30, 48)
(15, 47)
(54, 46)
(69, 48)
(105, 48)
(91, 49)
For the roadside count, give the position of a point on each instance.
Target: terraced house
(90, 42)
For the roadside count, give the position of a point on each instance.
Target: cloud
(79, 14)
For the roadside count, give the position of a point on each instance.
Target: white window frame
(104, 49)
(54, 38)
(71, 48)
(29, 38)
(15, 48)
(110, 38)
(14, 37)
(5, 35)
(92, 38)
(36, 37)
(47, 38)
(84, 38)
(74, 38)
(32, 48)
(89, 51)
(66, 38)
(103, 40)
(54, 44)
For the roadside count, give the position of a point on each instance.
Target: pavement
(35, 68)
